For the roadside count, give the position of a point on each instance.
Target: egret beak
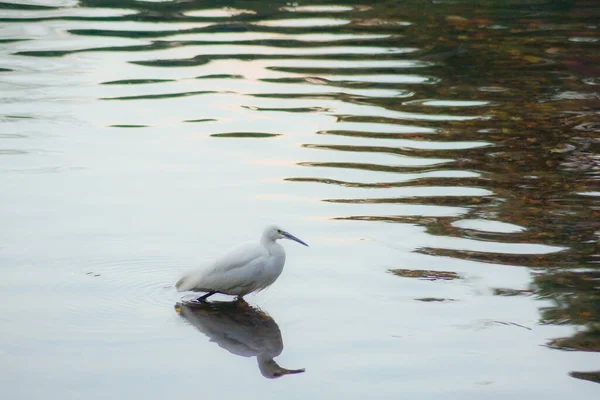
(294, 238)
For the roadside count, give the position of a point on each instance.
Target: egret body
(250, 267)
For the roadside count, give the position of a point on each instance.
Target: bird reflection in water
(240, 329)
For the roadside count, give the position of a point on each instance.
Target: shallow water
(440, 159)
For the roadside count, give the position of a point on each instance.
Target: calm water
(441, 159)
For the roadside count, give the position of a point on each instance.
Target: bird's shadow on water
(241, 329)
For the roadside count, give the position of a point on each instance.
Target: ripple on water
(142, 279)
(488, 226)
(448, 103)
(303, 22)
(382, 78)
(247, 135)
(318, 8)
(91, 298)
(225, 12)
(64, 12)
(129, 294)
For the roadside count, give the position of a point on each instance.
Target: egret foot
(202, 299)
(240, 302)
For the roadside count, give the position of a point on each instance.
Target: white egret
(250, 267)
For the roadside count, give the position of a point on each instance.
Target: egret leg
(240, 302)
(206, 296)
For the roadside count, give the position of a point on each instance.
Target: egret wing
(240, 256)
(237, 270)
(234, 269)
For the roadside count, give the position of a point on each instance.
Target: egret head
(273, 233)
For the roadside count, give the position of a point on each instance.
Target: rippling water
(440, 158)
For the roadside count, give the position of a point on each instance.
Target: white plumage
(248, 268)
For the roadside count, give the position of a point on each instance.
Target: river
(440, 158)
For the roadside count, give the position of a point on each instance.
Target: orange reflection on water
(278, 162)
(283, 197)
(342, 239)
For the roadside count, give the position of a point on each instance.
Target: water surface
(440, 159)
